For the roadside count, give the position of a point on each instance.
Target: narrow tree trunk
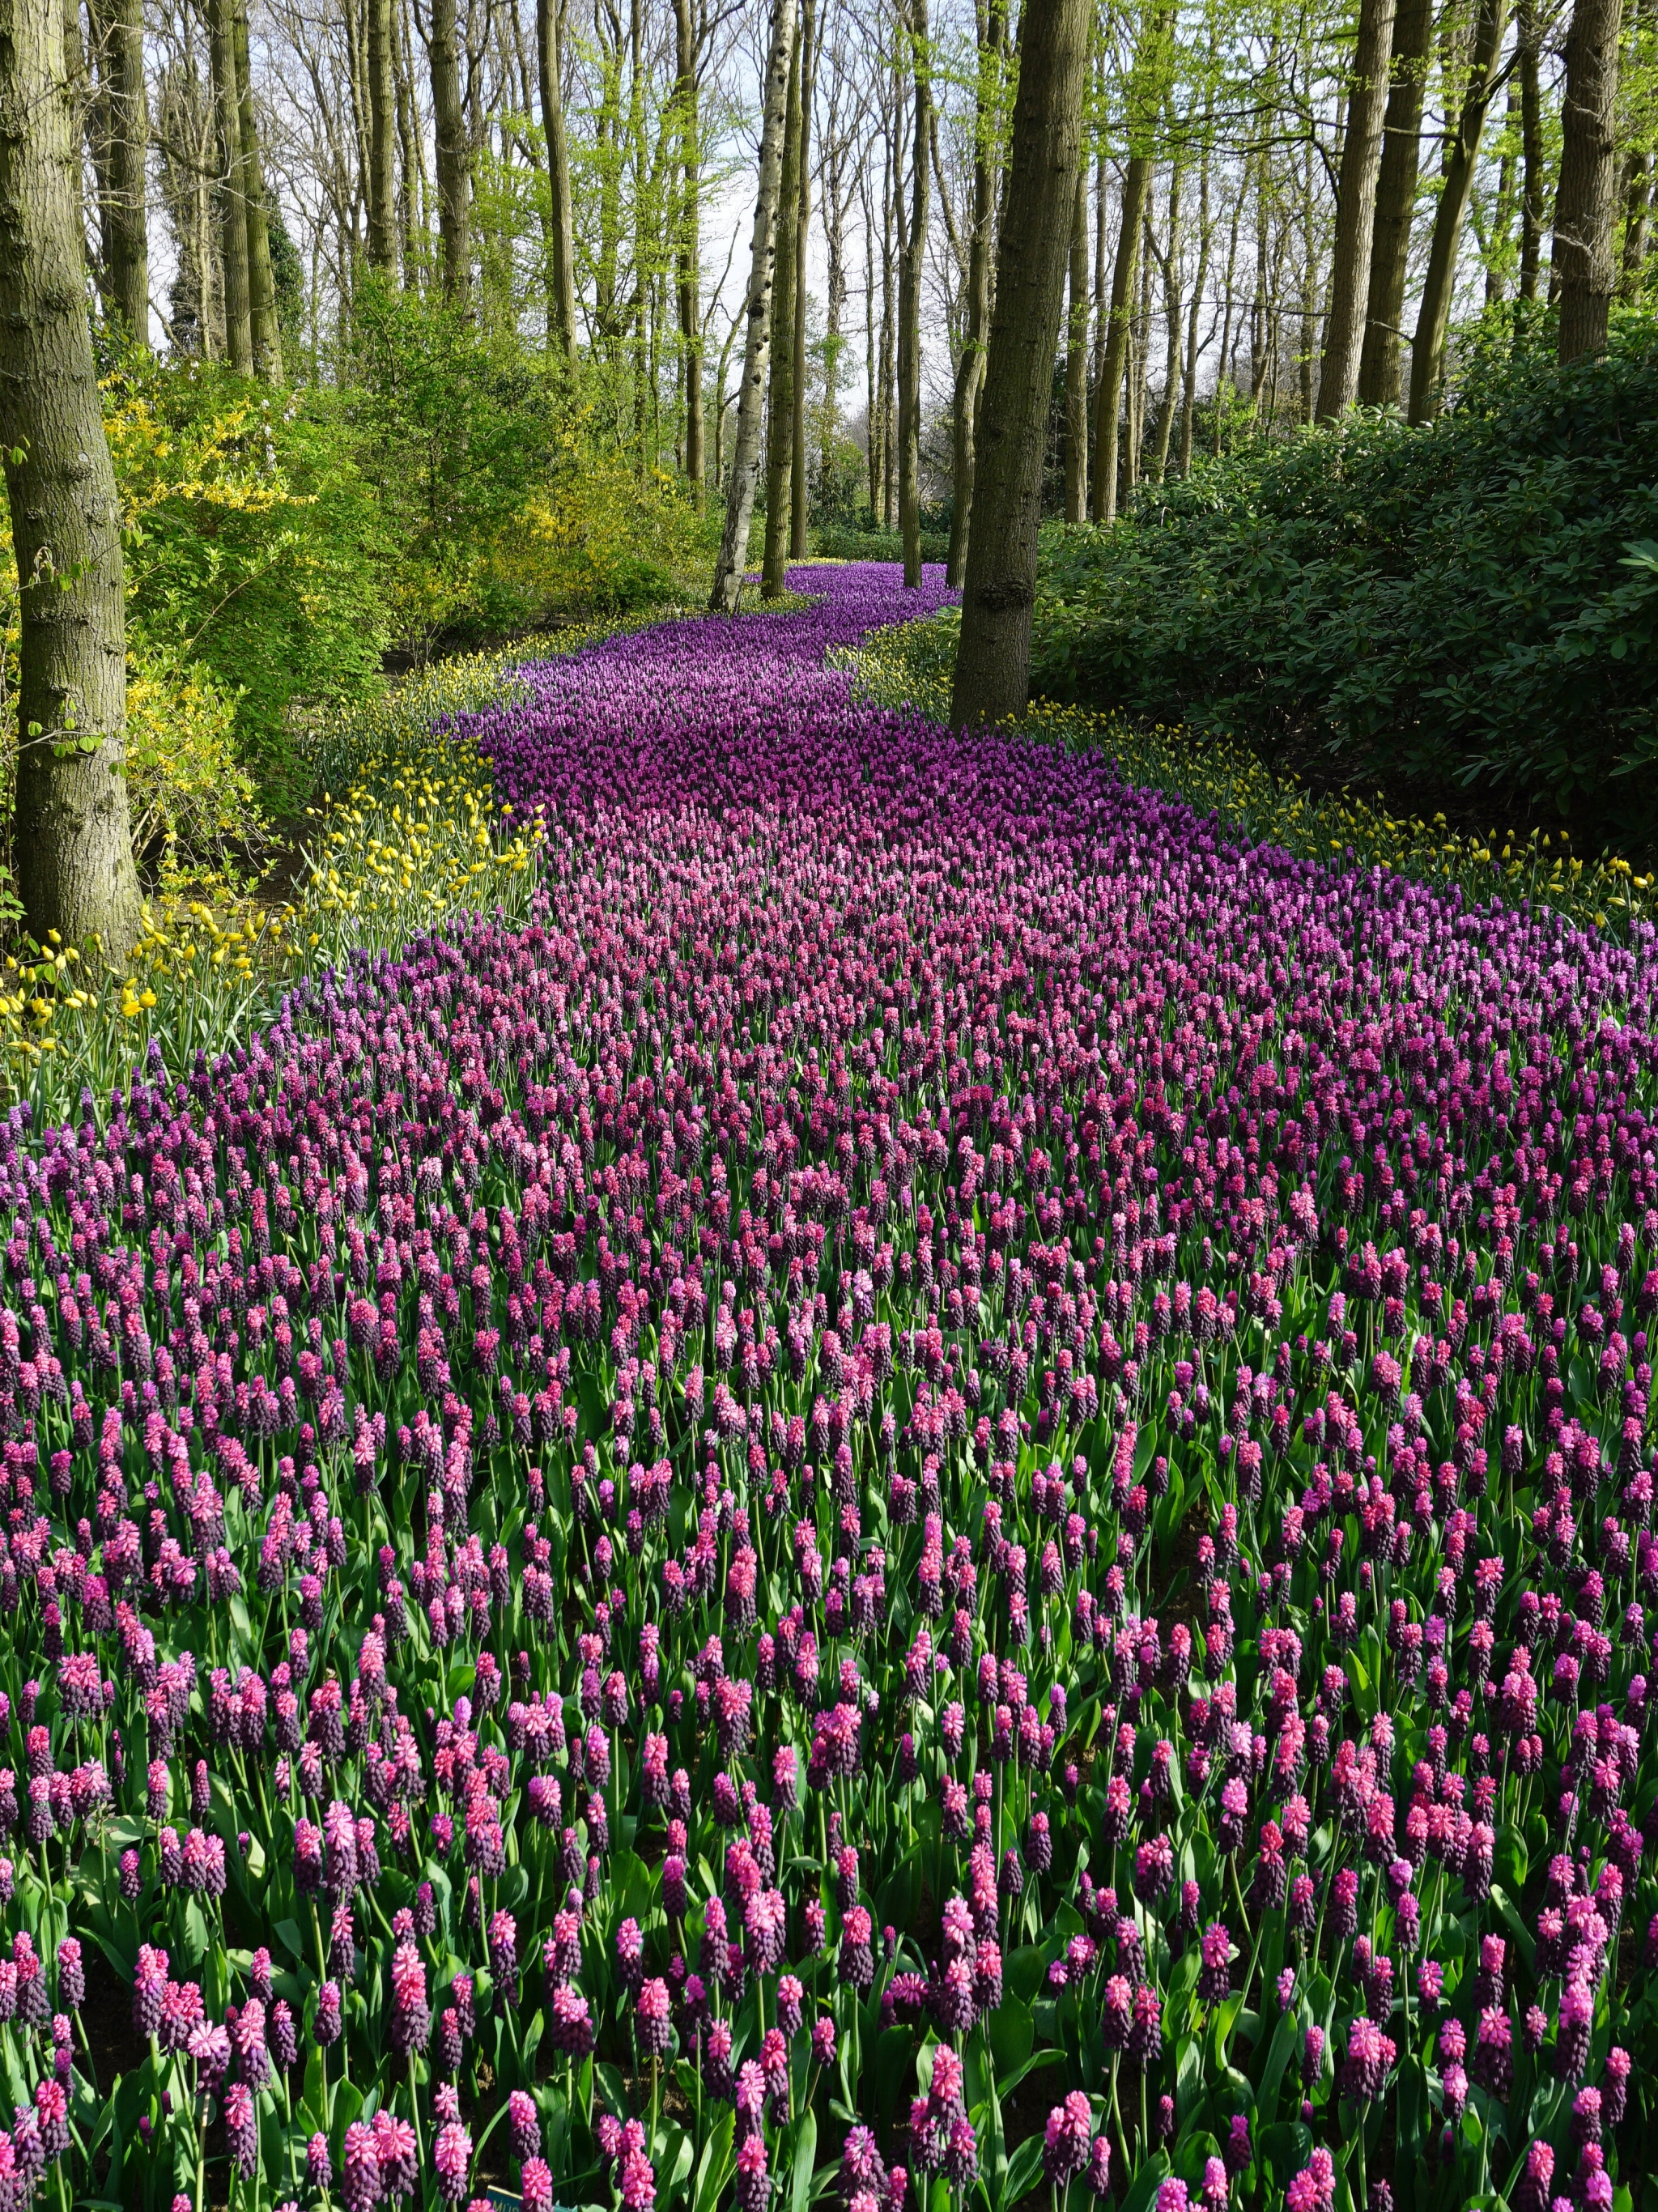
(1395, 203)
(1356, 198)
(1428, 346)
(123, 196)
(1637, 207)
(888, 210)
(745, 455)
(381, 182)
(1502, 233)
(992, 23)
(1584, 205)
(1076, 358)
(1171, 359)
(453, 162)
(871, 379)
(1206, 247)
(910, 270)
(1136, 181)
(1139, 355)
(232, 191)
(407, 160)
(803, 227)
(834, 252)
(993, 661)
(1101, 296)
(263, 327)
(1532, 156)
(688, 268)
(780, 409)
(71, 837)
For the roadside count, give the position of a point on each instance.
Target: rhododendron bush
(945, 1493)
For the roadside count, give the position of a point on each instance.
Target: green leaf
(1277, 2057)
(1024, 2171)
(714, 2165)
(1012, 2032)
(805, 2158)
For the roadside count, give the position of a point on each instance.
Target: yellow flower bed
(913, 666)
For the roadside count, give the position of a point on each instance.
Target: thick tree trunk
(1137, 182)
(757, 347)
(453, 159)
(802, 234)
(1532, 155)
(381, 182)
(910, 270)
(123, 198)
(1584, 205)
(781, 402)
(1395, 203)
(1356, 197)
(71, 837)
(263, 330)
(1428, 346)
(970, 368)
(993, 661)
(1076, 358)
(688, 269)
(231, 188)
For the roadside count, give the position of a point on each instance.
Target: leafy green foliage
(1458, 606)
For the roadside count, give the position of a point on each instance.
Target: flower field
(940, 1493)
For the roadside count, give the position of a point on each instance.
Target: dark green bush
(1458, 607)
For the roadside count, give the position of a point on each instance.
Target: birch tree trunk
(781, 405)
(756, 345)
(263, 330)
(970, 368)
(1584, 205)
(231, 191)
(1395, 203)
(1356, 197)
(71, 836)
(910, 270)
(992, 660)
(449, 128)
(381, 181)
(1428, 346)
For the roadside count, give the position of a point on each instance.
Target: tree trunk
(1171, 362)
(1638, 208)
(780, 410)
(803, 227)
(1532, 155)
(381, 182)
(688, 269)
(1356, 198)
(123, 198)
(449, 126)
(970, 368)
(1137, 182)
(1584, 205)
(871, 387)
(263, 330)
(910, 271)
(992, 660)
(1395, 203)
(1428, 346)
(1206, 247)
(757, 347)
(1076, 358)
(71, 837)
(232, 187)
(408, 159)
(888, 207)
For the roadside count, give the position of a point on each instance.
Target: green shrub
(1458, 606)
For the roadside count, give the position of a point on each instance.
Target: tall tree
(1433, 319)
(381, 182)
(756, 344)
(1144, 92)
(232, 187)
(1356, 197)
(687, 265)
(1584, 205)
(992, 658)
(780, 426)
(1076, 357)
(263, 329)
(561, 216)
(454, 164)
(1395, 203)
(124, 145)
(910, 268)
(1532, 156)
(798, 486)
(72, 835)
(991, 23)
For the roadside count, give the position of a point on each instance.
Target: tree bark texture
(1584, 205)
(781, 402)
(449, 129)
(1356, 198)
(1433, 319)
(1137, 183)
(1076, 359)
(797, 486)
(231, 193)
(123, 198)
(1532, 156)
(263, 329)
(72, 835)
(910, 270)
(970, 368)
(688, 270)
(381, 182)
(992, 660)
(757, 344)
(1395, 203)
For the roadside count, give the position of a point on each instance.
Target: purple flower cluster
(947, 1418)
